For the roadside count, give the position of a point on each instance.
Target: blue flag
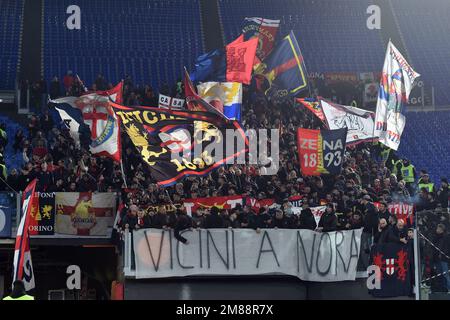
(210, 66)
(283, 72)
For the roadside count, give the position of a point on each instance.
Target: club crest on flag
(96, 115)
(397, 265)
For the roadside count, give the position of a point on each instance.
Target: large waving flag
(395, 86)
(263, 29)
(224, 96)
(234, 63)
(91, 113)
(23, 267)
(176, 144)
(359, 122)
(283, 72)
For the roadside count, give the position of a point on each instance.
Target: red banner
(314, 107)
(240, 57)
(308, 151)
(401, 210)
(256, 204)
(229, 202)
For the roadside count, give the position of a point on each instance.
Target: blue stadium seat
(332, 34)
(119, 37)
(11, 13)
(424, 140)
(425, 28)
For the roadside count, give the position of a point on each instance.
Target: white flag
(359, 122)
(395, 86)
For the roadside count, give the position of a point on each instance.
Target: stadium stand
(153, 53)
(423, 142)
(327, 31)
(10, 36)
(426, 37)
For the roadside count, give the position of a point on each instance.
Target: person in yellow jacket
(18, 292)
(425, 182)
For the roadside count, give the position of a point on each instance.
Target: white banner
(359, 122)
(306, 254)
(395, 86)
(166, 102)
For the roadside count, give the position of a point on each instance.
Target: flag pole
(123, 174)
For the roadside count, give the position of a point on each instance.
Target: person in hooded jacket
(307, 220)
(328, 220)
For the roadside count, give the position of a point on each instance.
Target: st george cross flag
(234, 63)
(23, 267)
(359, 122)
(92, 112)
(166, 102)
(395, 86)
(224, 96)
(265, 30)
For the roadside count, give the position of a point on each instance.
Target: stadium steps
(211, 24)
(31, 49)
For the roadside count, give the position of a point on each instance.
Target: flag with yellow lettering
(176, 144)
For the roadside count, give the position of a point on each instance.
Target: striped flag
(23, 268)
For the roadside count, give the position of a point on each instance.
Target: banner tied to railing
(306, 254)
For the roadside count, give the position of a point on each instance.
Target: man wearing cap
(425, 182)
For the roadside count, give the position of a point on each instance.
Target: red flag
(23, 268)
(308, 151)
(314, 107)
(240, 58)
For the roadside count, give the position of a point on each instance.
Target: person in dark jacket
(159, 220)
(183, 222)
(383, 211)
(383, 231)
(370, 216)
(130, 220)
(443, 193)
(280, 221)
(440, 257)
(232, 219)
(214, 220)
(328, 220)
(143, 220)
(398, 233)
(261, 220)
(307, 220)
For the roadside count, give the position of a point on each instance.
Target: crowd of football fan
(49, 155)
